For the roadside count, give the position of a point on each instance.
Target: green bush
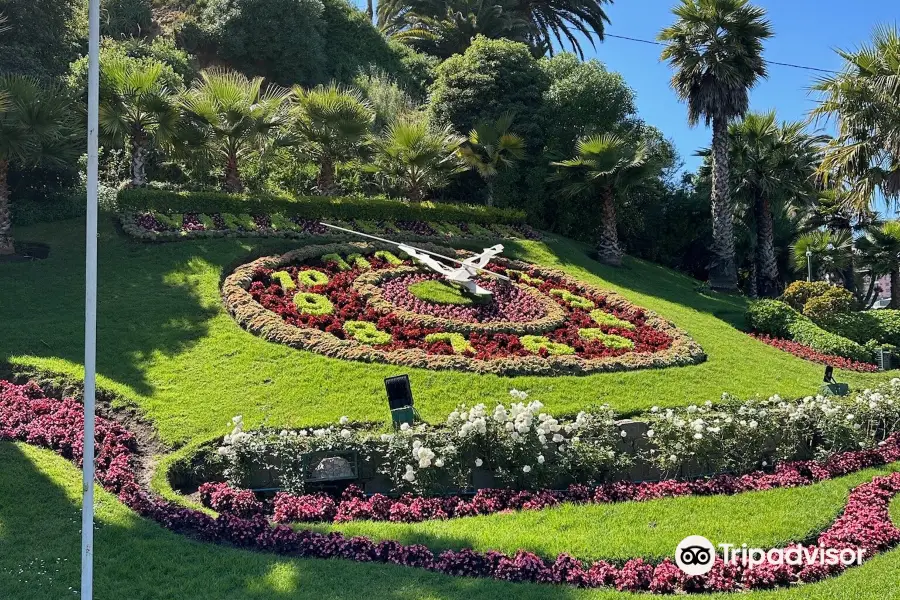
(302, 41)
(883, 326)
(125, 18)
(775, 318)
(798, 293)
(311, 207)
(834, 301)
(491, 78)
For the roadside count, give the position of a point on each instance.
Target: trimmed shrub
(834, 301)
(883, 326)
(311, 207)
(777, 319)
(610, 340)
(798, 293)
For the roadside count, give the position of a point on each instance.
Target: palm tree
(716, 48)
(453, 24)
(36, 125)
(333, 122)
(230, 118)
(772, 169)
(415, 158)
(443, 28)
(553, 20)
(864, 101)
(137, 106)
(881, 251)
(830, 253)
(605, 165)
(490, 147)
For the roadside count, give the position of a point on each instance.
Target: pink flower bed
(807, 353)
(27, 415)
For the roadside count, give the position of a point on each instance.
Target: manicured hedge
(777, 319)
(861, 327)
(312, 207)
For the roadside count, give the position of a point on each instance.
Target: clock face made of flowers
(363, 302)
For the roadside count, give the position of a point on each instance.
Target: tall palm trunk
(233, 181)
(765, 243)
(370, 9)
(6, 240)
(490, 191)
(722, 271)
(895, 288)
(608, 250)
(325, 180)
(139, 151)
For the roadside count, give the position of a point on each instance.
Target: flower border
(268, 325)
(353, 505)
(131, 226)
(28, 415)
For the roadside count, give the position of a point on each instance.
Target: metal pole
(809, 268)
(90, 307)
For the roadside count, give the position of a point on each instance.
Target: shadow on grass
(135, 558)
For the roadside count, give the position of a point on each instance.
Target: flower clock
(368, 302)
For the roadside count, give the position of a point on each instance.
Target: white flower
(404, 427)
(509, 426)
(557, 438)
(654, 409)
(417, 444)
(518, 394)
(237, 419)
(849, 416)
(223, 451)
(765, 463)
(386, 437)
(346, 433)
(650, 433)
(319, 433)
(478, 462)
(698, 436)
(623, 434)
(344, 420)
(672, 458)
(526, 469)
(540, 459)
(439, 463)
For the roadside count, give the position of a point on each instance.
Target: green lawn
(625, 530)
(135, 559)
(166, 344)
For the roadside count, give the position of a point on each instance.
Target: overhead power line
(771, 62)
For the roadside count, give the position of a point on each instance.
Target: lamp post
(809, 265)
(90, 308)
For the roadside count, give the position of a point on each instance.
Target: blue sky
(806, 33)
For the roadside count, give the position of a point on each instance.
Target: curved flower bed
(27, 415)
(542, 322)
(353, 505)
(157, 226)
(807, 353)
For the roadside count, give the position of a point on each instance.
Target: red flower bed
(806, 353)
(26, 414)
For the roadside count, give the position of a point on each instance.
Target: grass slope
(165, 343)
(39, 557)
(626, 530)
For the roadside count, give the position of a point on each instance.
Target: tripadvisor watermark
(695, 555)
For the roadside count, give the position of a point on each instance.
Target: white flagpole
(90, 307)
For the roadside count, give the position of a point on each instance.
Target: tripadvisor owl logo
(695, 555)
